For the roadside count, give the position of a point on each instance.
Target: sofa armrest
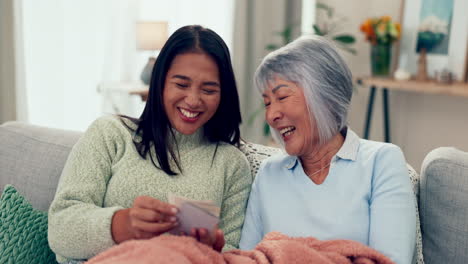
(444, 206)
(32, 159)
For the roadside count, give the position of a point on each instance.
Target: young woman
(115, 184)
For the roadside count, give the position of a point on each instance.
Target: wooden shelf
(429, 87)
(143, 93)
(132, 88)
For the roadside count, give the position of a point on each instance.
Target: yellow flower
(392, 30)
(381, 29)
(386, 19)
(398, 28)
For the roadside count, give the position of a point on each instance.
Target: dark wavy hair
(154, 127)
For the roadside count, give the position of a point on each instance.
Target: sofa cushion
(444, 206)
(256, 153)
(415, 181)
(32, 159)
(23, 231)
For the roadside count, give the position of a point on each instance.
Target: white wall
(419, 122)
(214, 14)
(7, 63)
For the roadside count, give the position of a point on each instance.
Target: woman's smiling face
(287, 113)
(192, 91)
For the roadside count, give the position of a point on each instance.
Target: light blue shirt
(366, 197)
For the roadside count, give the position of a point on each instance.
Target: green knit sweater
(104, 173)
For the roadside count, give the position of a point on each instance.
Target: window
(72, 46)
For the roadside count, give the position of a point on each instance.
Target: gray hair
(313, 63)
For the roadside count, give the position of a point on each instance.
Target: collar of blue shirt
(348, 151)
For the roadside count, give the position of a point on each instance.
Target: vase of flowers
(381, 32)
(380, 59)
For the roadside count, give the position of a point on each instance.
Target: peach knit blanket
(274, 248)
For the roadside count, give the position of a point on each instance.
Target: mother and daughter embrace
(328, 183)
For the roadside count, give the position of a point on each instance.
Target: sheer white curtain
(7, 91)
(12, 95)
(72, 46)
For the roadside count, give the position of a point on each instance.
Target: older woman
(331, 184)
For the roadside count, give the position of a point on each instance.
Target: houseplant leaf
(266, 129)
(326, 8)
(345, 39)
(317, 30)
(271, 47)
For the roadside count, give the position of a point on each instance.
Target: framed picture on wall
(441, 28)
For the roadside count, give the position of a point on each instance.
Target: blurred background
(64, 63)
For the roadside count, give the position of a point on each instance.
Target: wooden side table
(113, 89)
(143, 93)
(386, 84)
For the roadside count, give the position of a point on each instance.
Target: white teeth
(287, 131)
(188, 113)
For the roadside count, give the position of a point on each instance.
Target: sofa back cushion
(444, 206)
(32, 159)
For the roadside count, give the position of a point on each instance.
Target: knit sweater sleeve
(79, 225)
(236, 194)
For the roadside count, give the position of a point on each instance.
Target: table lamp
(150, 35)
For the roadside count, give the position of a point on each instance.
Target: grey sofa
(32, 158)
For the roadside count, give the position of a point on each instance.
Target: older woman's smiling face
(287, 113)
